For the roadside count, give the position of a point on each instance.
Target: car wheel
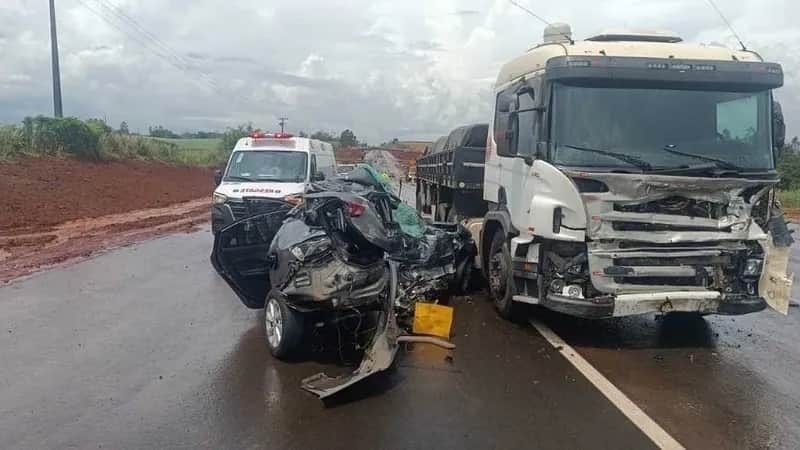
(283, 325)
(501, 278)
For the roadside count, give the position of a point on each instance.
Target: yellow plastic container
(434, 320)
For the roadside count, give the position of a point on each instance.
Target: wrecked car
(348, 245)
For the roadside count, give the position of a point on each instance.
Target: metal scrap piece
(377, 358)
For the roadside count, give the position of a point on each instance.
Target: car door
(241, 254)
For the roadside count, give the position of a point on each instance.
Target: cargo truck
(630, 173)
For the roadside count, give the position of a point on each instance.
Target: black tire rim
(498, 275)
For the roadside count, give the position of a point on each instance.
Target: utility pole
(57, 108)
(282, 121)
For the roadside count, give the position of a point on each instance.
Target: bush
(95, 140)
(54, 135)
(230, 138)
(789, 170)
(12, 142)
(114, 146)
(789, 199)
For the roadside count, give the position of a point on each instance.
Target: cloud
(466, 12)
(380, 67)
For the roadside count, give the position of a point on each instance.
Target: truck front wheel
(501, 278)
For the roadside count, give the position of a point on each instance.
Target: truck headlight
(219, 198)
(752, 267)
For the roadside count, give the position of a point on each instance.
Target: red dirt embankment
(58, 210)
(47, 191)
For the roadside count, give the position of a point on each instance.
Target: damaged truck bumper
(660, 244)
(703, 302)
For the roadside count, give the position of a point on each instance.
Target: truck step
(526, 299)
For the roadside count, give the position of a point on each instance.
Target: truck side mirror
(778, 126)
(319, 176)
(217, 177)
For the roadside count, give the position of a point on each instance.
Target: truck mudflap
(775, 285)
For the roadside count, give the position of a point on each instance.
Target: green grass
(93, 140)
(192, 152)
(193, 144)
(789, 199)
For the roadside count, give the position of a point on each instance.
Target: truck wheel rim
(274, 323)
(497, 275)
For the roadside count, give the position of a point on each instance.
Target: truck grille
(678, 206)
(621, 225)
(617, 269)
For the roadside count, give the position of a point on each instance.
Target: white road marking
(647, 425)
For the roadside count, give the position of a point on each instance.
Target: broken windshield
(266, 165)
(732, 128)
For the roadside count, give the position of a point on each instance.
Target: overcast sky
(385, 68)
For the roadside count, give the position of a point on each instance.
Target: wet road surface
(146, 347)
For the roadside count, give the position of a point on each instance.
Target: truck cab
(268, 166)
(632, 173)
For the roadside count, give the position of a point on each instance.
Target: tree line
(789, 165)
(347, 138)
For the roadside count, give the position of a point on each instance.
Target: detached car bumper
(704, 302)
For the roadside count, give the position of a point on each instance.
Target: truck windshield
(267, 165)
(667, 128)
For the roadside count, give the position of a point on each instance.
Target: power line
(147, 39)
(143, 37)
(725, 19)
(539, 18)
(122, 16)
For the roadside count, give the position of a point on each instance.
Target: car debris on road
(348, 245)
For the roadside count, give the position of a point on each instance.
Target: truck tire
(453, 216)
(501, 278)
(464, 274)
(283, 326)
(441, 212)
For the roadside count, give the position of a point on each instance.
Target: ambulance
(268, 166)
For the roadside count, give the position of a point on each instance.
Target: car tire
(501, 279)
(283, 326)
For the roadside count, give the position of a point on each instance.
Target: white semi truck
(632, 173)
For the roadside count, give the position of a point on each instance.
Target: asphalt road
(146, 347)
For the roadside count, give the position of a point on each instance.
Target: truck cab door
(517, 153)
(241, 255)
